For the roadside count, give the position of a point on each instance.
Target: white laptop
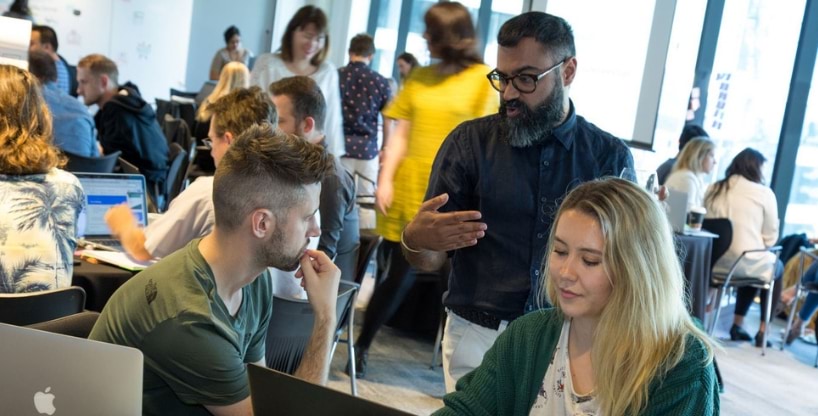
(677, 215)
(677, 210)
(51, 374)
(102, 192)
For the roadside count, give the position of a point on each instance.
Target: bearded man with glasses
(496, 183)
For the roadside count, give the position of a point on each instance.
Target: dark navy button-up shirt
(518, 191)
(364, 94)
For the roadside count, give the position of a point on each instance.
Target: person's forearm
(387, 130)
(133, 241)
(315, 362)
(422, 259)
(395, 152)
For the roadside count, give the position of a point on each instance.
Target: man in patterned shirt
(364, 94)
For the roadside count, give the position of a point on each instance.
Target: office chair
(102, 164)
(291, 326)
(34, 307)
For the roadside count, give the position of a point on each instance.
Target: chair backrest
(291, 327)
(128, 167)
(183, 94)
(30, 308)
(369, 243)
(176, 173)
(165, 107)
(77, 325)
(724, 229)
(103, 164)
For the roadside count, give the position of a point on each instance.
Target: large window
(750, 78)
(803, 204)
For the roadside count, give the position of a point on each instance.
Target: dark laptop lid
(277, 393)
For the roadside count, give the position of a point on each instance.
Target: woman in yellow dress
(434, 100)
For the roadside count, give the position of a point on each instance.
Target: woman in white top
(232, 52)
(695, 162)
(751, 207)
(304, 50)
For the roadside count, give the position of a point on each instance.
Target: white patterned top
(556, 396)
(38, 230)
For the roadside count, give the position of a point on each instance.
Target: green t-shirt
(195, 352)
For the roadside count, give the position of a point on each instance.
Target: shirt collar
(564, 133)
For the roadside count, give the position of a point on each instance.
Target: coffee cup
(695, 217)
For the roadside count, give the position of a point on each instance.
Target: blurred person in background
(689, 132)
(696, 161)
(232, 52)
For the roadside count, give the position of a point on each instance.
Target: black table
(695, 254)
(100, 281)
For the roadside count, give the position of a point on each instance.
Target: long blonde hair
(693, 154)
(234, 75)
(643, 328)
(26, 135)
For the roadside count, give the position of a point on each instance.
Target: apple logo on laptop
(44, 402)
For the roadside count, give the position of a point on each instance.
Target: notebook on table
(273, 392)
(52, 374)
(102, 192)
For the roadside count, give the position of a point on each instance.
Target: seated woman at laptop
(752, 209)
(40, 203)
(688, 175)
(618, 340)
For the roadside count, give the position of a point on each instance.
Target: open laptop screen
(103, 191)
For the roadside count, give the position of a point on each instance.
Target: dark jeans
(746, 295)
(388, 295)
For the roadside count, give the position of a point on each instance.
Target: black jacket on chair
(127, 123)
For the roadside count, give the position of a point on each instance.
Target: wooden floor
(781, 383)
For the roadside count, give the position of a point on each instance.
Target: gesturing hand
(383, 196)
(320, 279)
(436, 231)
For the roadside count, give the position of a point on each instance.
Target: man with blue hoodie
(125, 122)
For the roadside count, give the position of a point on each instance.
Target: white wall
(254, 18)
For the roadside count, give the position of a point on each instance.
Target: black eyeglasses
(525, 83)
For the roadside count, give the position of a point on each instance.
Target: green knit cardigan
(512, 371)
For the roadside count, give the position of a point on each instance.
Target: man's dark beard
(531, 127)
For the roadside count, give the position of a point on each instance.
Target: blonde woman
(234, 75)
(688, 175)
(40, 203)
(619, 339)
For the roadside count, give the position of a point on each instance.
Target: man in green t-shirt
(201, 314)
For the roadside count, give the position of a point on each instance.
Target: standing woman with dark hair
(304, 50)
(752, 209)
(233, 52)
(434, 100)
(406, 64)
(40, 203)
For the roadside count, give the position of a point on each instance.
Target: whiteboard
(148, 39)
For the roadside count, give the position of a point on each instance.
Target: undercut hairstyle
(100, 65)
(693, 154)
(645, 322)
(552, 32)
(362, 45)
(303, 17)
(690, 132)
(265, 168)
(47, 35)
(230, 32)
(450, 31)
(746, 164)
(241, 109)
(42, 66)
(305, 96)
(26, 145)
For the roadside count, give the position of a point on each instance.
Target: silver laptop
(51, 374)
(103, 191)
(677, 210)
